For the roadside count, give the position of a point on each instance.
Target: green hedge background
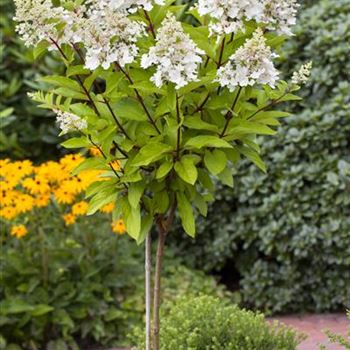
(281, 239)
(284, 238)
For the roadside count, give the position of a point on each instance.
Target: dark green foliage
(288, 232)
(207, 323)
(79, 287)
(26, 131)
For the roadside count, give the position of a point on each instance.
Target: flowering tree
(174, 95)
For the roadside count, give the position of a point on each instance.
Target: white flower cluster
(130, 6)
(175, 55)
(229, 15)
(37, 20)
(69, 122)
(251, 64)
(109, 36)
(303, 74)
(280, 14)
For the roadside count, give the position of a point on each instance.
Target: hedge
(284, 237)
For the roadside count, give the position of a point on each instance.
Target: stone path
(313, 326)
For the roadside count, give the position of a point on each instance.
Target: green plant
(25, 131)
(208, 323)
(284, 238)
(80, 286)
(338, 339)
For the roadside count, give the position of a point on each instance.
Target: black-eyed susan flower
(80, 208)
(118, 227)
(108, 208)
(18, 231)
(69, 219)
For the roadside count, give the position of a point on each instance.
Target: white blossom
(109, 36)
(251, 64)
(69, 122)
(280, 14)
(229, 15)
(37, 20)
(175, 55)
(130, 6)
(303, 74)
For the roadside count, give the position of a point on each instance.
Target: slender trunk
(163, 229)
(157, 287)
(148, 276)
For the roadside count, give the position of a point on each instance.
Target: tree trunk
(157, 287)
(163, 229)
(148, 288)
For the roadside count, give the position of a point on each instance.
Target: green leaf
(253, 156)
(164, 169)
(135, 192)
(129, 109)
(76, 142)
(151, 153)
(197, 123)
(14, 306)
(102, 199)
(207, 141)
(77, 70)
(215, 161)
(60, 81)
(226, 177)
(186, 169)
(41, 309)
(186, 214)
(146, 226)
(40, 49)
(133, 223)
(160, 202)
(89, 164)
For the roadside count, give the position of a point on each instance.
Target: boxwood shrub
(208, 323)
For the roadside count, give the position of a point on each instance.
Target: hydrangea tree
(171, 95)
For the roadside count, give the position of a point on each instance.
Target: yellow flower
(8, 213)
(80, 208)
(38, 185)
(69, 219)
(51, 171)
(63, 196)
(19, 231)
(70, 161)
(24, 203)
(118, 227)
(7, 197)
(42, 200)
(115, 164)
(94, 151)
(108, 208)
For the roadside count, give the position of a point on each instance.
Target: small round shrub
(209, 323)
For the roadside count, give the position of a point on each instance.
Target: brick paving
(314, 325)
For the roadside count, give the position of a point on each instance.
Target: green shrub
(208, 323)
(338, 339)
(285, 236)
(79, 285)
(26, 131)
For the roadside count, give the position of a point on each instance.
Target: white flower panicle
(37, 20)
(175, 55)
(69, 122)
(109, 36)
(130, 6)
(303, 74)
(229, 15)
(251, 64)
(280, 14)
